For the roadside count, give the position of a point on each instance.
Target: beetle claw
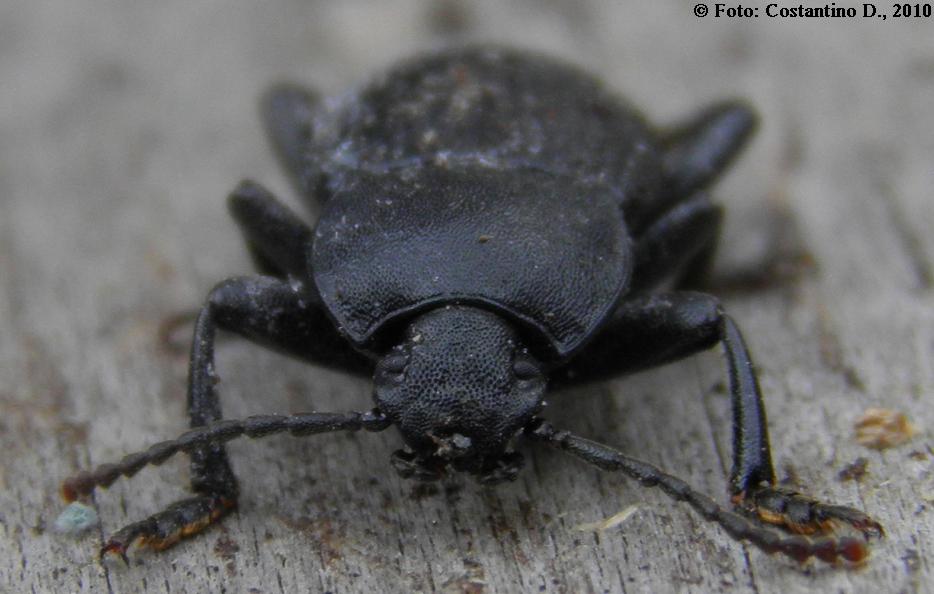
(115, 547)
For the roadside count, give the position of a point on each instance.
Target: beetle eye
(525, 369)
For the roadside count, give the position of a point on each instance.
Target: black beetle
(491, 219)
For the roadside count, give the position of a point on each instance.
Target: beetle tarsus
(165, 529)
(800, 514)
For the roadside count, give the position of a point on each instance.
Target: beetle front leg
(212, 479)
(656, 329)
(828, 548)
(265, 310)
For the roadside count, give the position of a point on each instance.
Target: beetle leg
(681, 241)
(164, 529)
(285, 317)
(189, 516)
(701, 148)
(800, 548)
(262, 309)
(277, 238)
(655, 329)
(647, 331)
(288, 115)
(652, 330)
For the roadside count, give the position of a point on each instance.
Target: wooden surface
(123, 126)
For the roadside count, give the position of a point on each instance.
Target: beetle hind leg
(697, 151)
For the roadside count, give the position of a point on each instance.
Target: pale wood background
(123, 126)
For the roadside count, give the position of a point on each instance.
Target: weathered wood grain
(123, 126)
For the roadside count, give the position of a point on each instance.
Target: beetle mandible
(492, 220)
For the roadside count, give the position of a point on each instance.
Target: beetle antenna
(218, 432)
(799, 548)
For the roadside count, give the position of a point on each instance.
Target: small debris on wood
(76, 519)
(611, 522)
(472, 581)
(422, 490)
(881, 428)
(912, 560)
(174, 332)
(855, 470)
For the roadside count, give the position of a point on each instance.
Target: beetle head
(459, 388)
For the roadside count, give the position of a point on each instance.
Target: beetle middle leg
(681, 242)
(652, 330)
(682, 231)
(276, 237)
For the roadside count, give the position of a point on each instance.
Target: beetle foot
(166, 528)
(410, 465)
(504, 469)
(800, 514)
